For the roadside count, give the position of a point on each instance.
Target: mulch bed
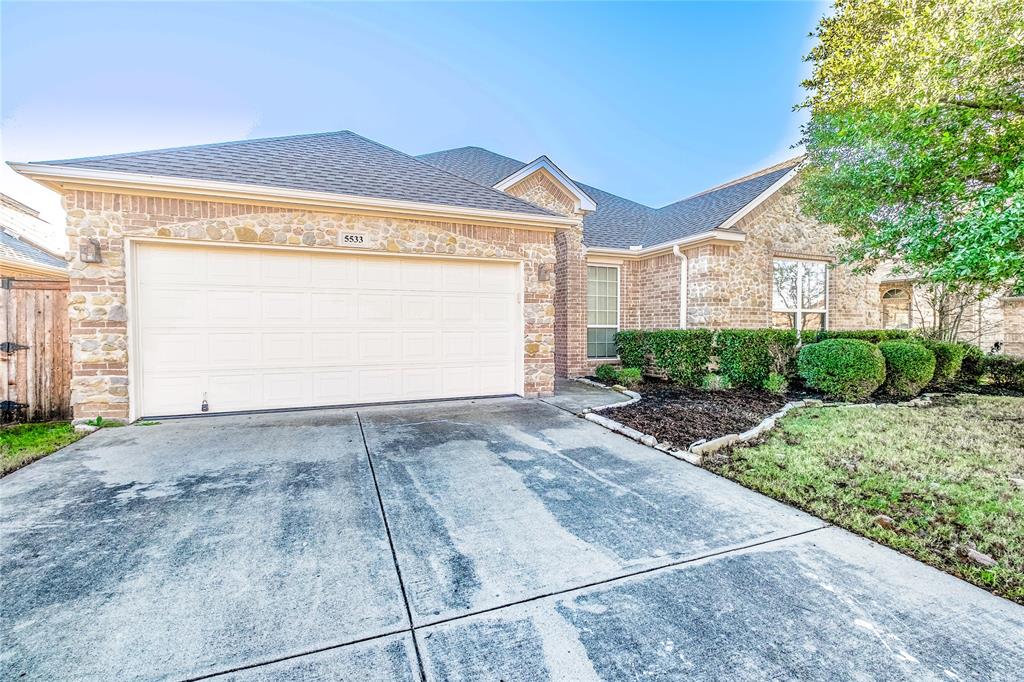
(683, 416)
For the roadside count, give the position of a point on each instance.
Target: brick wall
(97, 303)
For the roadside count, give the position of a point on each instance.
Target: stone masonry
(97, 303)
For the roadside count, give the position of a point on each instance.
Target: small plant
(607, 372)
(909, 367)
(101, 423)
(630, 376)
(849, 369)
(146, 423)
(715, 382)
(776, 383)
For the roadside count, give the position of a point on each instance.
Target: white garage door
(250, 328)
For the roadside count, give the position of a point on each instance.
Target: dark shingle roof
(14, 250)
(619, 222)
(339, 163)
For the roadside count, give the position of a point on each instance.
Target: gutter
(716, 236)
(95, 180)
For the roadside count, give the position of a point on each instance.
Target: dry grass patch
(950, 476)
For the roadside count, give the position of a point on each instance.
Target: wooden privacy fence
(35, 350)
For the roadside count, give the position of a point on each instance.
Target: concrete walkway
(489, 539)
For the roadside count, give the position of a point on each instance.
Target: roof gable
(620, 223)
(542, 164)
(340, 163)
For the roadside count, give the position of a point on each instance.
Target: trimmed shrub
(948, 358)
(749, 356)
(630, 376)
(972, 369)
(606, 372)
(682, 354)
(631, 346)
(869, 335)
(776, 383)
(909, 367)
(843, 368)
(1006, 371)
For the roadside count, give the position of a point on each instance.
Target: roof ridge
(750, 176)
(205, 145)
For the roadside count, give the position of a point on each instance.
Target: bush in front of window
(1005, 370)
(682, 354)
(909, 367)
(607, 373)
(948, 359)
(869, 335)
(849, 369)
(631, 345)
(748, 356)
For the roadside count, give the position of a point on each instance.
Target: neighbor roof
(619, 222)
(338, 163)
(17, 251)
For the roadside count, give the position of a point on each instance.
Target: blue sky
(650, 101)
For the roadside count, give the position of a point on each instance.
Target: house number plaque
(352, 239)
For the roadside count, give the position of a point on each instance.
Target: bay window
(799, 294)
(602, 310)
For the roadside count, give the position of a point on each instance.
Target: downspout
(683, 266)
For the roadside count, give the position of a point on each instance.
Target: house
(26, 250)
(329, 269)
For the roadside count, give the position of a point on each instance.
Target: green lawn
(24, 443)
(945, 474)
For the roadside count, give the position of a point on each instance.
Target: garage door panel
(335, 387)
(231, 267)
(284, 307)
(259, 328)
(378, 347)
(233, 349)
(227, 392)
(421, 275)
(174, 350)
(333, 272)
(281, 268)
(377, 309)
(331, 308)
(284, 348)
(173, 307)
(287, 389)
(379, 385)
(333, 347)
(232, 307)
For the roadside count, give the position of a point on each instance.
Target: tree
(915, 145)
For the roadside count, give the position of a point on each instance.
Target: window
(602, 310)
(896, 309)
(799, 294)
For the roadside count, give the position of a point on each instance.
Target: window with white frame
(799, 294)
(602, 310)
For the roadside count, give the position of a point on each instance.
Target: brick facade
(97, 300)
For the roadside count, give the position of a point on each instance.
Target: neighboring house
(329, 269)
(24, 242)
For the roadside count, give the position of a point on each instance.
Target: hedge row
(752, 357)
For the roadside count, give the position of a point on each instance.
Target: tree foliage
(915, 146)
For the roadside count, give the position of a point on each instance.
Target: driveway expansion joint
(394, 553)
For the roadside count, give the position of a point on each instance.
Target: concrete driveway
(490, 539)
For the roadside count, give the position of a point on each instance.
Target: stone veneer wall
(97, 303)
(1013, 325)
(730, 286)
(570, 272)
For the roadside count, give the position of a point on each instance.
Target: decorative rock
(85, 428)
(884, 521)
(975, 557)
